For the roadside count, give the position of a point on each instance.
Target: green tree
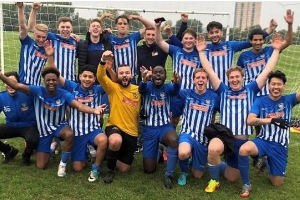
(195, 24)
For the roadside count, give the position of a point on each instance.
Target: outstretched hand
(201, 45)
(49, 49)
(107, 55)
(146, 74)
(100, 109)
(289, 18)
(282, 123)
(36, 5)
(175, 78)
(277, 41)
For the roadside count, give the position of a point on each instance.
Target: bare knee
(183, 155)
(41, 165)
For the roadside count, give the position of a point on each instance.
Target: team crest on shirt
(24, 107)
(224, 47)
(207, 101)
(90, 92)
(262, 55)
(280, 106)
(196, 58)
(162, 95)
(6, 109)
(127, 40)
(134, 94)
(154, 53)
(58, 102)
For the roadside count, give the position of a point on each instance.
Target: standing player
(273, 113)
(221, 53)
(157, 128)
(199, 107)
(185, 60)
(50, 104)
(19, 121)
(65, 46)
(32, 55)
(235, 104)
(86, 127)
(124, 45)
(253, 61)
(122, 124)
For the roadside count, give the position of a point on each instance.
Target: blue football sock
(223, 166)
(65, 156)
(172, 160)
(184, 165)
(94, 166)
(244, 168)
(214, 171)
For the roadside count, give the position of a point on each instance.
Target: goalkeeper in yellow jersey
(122, 125)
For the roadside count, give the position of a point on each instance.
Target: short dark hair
(96, 20)
(13, 73)
(256, 31)
(277, 74)
(123, 17)
(48, 70)
(89, 68)
(214, 24)
(160, 66)
(150, 28)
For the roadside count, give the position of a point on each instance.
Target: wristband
(102, 62)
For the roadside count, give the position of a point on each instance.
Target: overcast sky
(269, 10)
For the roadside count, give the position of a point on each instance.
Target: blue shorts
(45, 142)
(152, 137)
(232, 160)
(79, 152)
(199, 151)
(177, 106)
(277, 155)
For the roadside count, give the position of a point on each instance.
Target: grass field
(17, 182)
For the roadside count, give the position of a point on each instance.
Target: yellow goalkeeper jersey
(124, 103)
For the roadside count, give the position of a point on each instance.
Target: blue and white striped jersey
(49, 110)
(32, 60)
(197, 113)
(84, 123)
(264, 107)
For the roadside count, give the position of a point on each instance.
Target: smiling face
(235, 79)
(149, 37)
(188, 42)
(87, 79)
(276, 88)
(40, 37)
(124, 75)
(257, 43)
(65, 29)
(215, 35)
(95, 29)
(200, 81)
(158, 76)
(50, 81)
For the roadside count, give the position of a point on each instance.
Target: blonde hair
(41, 27)
(199, 70)
(235, 68)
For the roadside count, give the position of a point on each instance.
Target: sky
(269, 10)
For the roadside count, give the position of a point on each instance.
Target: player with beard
(49, 105)
(157, 129)
(200, 105)
(235, 103)
(122, 124)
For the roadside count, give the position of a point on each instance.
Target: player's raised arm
(145, 22)
(14, 84)
(22, 21)
(159, 39)
(213, 78)
(32, 16)
(277, 43)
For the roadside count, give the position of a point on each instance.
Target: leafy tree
(195, 24)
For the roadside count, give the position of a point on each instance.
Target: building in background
(246, 14)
